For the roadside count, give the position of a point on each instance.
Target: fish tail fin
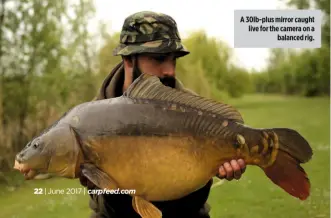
(285, 171)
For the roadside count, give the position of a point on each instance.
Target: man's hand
(232, 170)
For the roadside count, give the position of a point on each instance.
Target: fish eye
(236, 145)
(36, 145)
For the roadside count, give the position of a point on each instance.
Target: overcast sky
(214, 16)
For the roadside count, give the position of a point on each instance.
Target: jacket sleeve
(103, 92)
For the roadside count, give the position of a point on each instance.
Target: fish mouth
(28, 172)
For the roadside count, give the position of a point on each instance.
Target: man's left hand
(232, 170)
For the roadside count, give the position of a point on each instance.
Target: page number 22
(38, 191)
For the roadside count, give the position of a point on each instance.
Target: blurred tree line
(50, 61)
(47, 58)
(299, 72)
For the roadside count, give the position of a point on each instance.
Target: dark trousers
(120, 206)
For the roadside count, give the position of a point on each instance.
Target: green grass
(254, 196)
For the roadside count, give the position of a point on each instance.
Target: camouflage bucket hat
(150, 32)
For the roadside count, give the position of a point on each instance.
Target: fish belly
(158, 168)
(152, 149)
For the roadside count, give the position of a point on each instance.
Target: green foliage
(208, 69)
(302, 72)
(106, 58)
(45, 54)
(238, 82)
(211, 54)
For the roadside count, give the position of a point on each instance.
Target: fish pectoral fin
(99, 178)
(145, 209)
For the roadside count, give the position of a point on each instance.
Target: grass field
(254, 196)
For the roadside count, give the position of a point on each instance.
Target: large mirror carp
(163, 143)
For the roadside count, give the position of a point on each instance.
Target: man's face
(161, 65)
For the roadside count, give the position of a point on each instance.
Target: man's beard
(166, 80)
(169, 81)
